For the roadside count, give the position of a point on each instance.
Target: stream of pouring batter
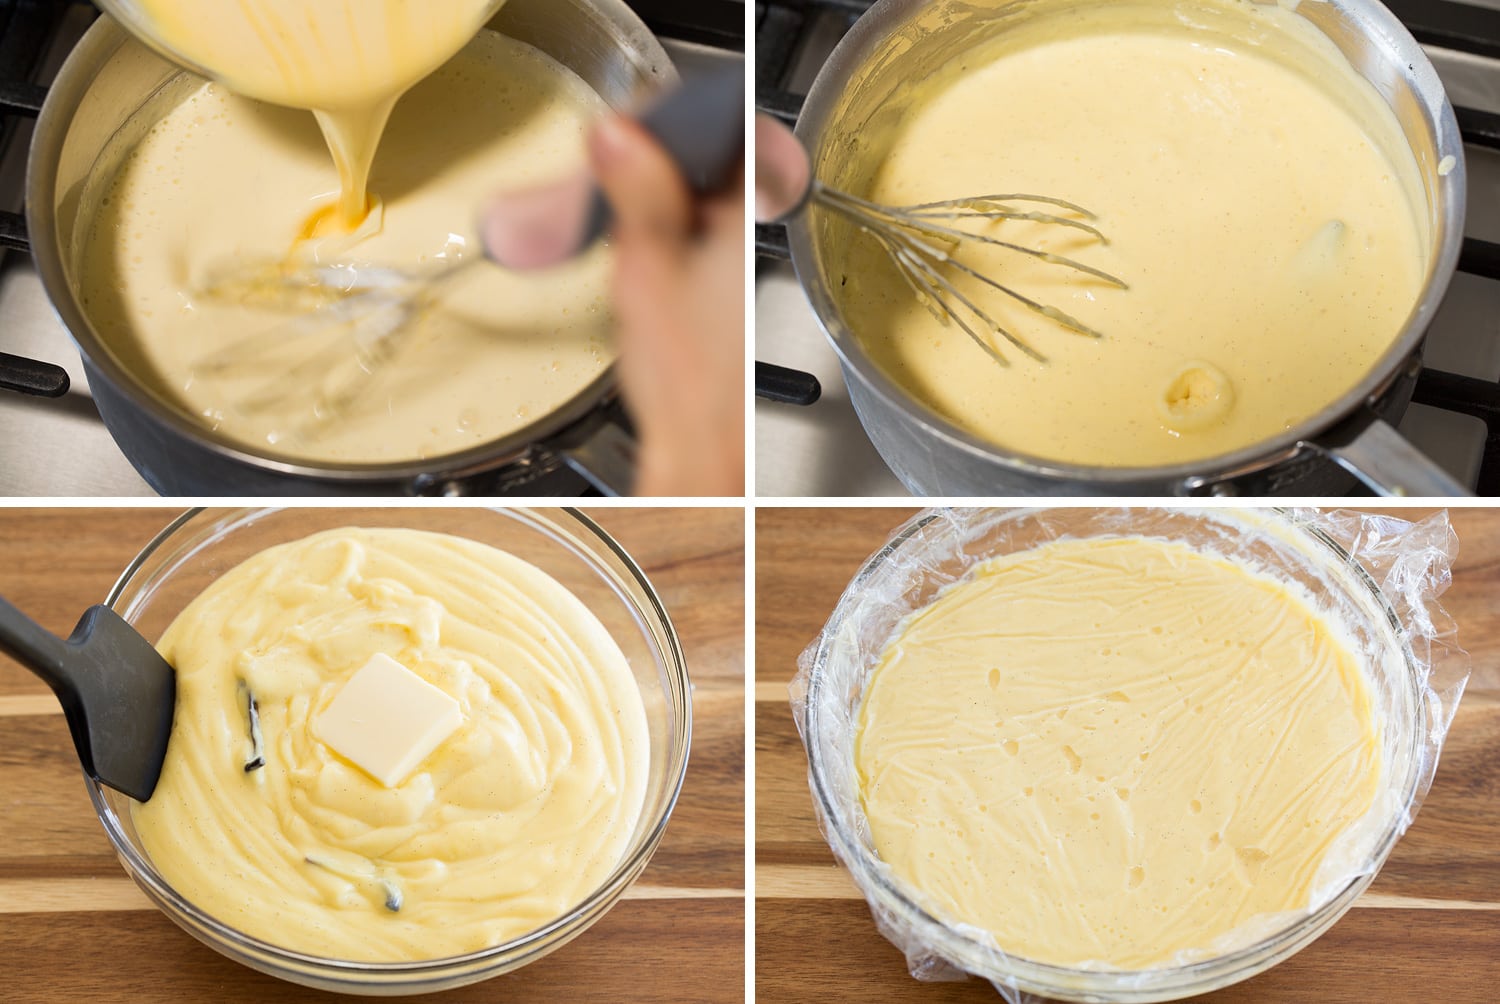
(347, 61)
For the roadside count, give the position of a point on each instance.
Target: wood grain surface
(74, 928)
(1427, 930)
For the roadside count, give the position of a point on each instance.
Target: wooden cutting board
(73, 928)
(1427, 930)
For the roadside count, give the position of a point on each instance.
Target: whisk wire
(919, 245)
(921, 278)
(932, 281)
(904, 217)
(994, 207)
(1046, 256)
(1046, 218)
(368, 310)
(1061, 317)
(983, 200)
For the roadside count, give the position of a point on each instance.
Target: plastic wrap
(1375, 578)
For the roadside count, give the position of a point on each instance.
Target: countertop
(1428, 929)
(73, 927)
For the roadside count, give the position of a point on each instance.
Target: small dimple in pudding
(513, 819)
(1198, 396)
(1116, 752)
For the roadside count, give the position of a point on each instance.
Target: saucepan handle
(29, 376)
(1385, 461)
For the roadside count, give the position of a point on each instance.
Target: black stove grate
(719, 23)
(26, 26)
(784, 26)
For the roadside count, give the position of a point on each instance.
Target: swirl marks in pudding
(1119, 753)
(512, 821)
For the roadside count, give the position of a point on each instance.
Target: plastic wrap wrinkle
(1376, 578)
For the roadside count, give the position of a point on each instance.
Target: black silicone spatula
(116, 690)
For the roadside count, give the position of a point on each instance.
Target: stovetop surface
(59, 447)
(822, 450)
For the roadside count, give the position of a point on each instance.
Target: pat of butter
(387, 720)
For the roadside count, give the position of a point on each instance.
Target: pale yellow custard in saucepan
(222, 182)
(1116, 752)
(510, 822)
(1263, 215)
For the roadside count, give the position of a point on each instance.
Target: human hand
(782, 172)
(679, 298)
(678, 291)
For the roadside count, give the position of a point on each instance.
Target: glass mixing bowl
(937, 548)
(205, 543)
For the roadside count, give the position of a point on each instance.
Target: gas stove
(58, 446)
(819, 448)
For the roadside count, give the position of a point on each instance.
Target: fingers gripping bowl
(203, 545)
(1372, 579)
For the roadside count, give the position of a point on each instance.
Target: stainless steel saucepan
(897, 41)
(108, 79)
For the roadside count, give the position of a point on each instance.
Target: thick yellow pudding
(511, 821)
(1116, 752)
(1258, 198)
(220, 182)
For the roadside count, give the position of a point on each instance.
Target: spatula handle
(36, 648)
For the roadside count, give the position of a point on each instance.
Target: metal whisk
(348, 323)
(922, 239)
